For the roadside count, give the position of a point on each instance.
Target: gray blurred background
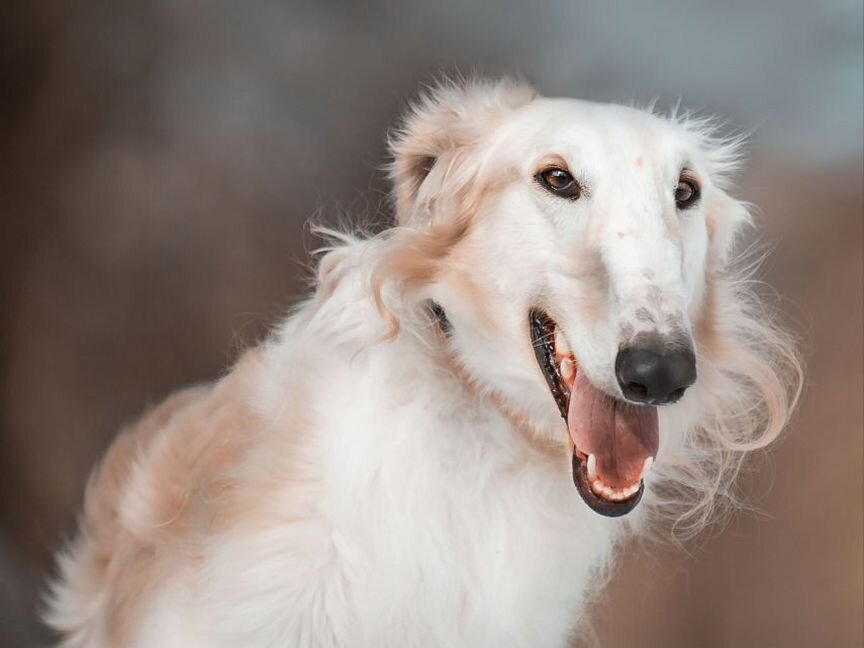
(159, 161)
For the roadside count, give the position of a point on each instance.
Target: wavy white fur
(364, 479)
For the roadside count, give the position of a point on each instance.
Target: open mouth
(614, 442)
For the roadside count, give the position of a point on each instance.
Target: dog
(550, 351)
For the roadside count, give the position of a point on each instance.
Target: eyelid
(690, 175)
(552, 161)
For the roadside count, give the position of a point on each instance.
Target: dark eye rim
(572, 191)
(695, 192)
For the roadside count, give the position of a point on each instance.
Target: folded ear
(726, 216)
(429, 151)
(725, 219)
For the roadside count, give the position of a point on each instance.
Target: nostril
(676, 395)
(636, 390)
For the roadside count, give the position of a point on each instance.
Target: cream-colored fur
(364, 479)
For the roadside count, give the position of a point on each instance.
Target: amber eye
(559, 182)
(686, 193)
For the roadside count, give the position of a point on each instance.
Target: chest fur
(465, 540)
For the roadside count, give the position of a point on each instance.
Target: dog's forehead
(598, 131)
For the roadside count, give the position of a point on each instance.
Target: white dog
(392, 469)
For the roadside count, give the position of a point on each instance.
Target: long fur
(360, 481)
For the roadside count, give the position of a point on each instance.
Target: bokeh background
(159, 161)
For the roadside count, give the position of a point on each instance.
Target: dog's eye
(686, 193)
(559, 182)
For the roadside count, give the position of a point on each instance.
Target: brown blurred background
(159, 160)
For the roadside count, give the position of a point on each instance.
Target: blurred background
(159, 161)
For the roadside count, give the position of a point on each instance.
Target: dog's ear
(724, 155)
(429, 150)
(726, 218)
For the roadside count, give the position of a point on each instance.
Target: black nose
(654, 374)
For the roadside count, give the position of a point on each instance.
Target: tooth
(567, 369)
(561, 345)
(646, 466)
(592, 467)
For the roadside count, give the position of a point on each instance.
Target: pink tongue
(621, 436)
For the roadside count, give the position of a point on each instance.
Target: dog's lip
(543, 340)
(543, 332)
(600, 504)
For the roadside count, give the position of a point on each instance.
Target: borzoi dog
(445, 443)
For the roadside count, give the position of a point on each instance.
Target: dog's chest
(473, 551)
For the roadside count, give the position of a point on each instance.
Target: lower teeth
(607, 492)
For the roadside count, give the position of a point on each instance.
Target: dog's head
(568, 245)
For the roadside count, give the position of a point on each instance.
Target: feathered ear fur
(725, 218)
(750, 371)
(429, 150)
(724, 154)
(433, 174)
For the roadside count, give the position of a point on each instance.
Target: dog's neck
(518, 420)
